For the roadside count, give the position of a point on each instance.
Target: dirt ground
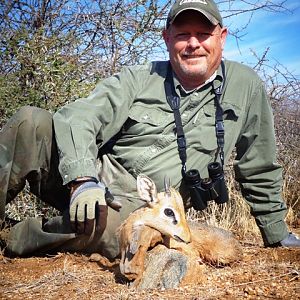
(262, 274)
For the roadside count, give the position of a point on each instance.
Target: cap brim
(210, 17)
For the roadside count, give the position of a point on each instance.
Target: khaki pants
(28, 151)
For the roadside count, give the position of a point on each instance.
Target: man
(133, 109)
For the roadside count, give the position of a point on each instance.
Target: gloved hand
(88, 209)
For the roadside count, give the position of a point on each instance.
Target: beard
(194, 70)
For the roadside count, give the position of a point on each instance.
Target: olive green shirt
(133, 103)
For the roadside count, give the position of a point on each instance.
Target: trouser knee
(25, 148)
(30, 118)
(42, 173)
(29, 139)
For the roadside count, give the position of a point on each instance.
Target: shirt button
(196, 94)
(153, 150)
(184, 115)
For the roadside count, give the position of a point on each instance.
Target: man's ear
(224, 32)
(166, 38)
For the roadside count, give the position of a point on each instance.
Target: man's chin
(193, 71)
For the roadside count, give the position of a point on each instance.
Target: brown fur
(132, 265)
(147, 227)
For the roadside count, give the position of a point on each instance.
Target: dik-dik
(161, 225)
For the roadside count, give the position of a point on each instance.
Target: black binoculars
(206, 189)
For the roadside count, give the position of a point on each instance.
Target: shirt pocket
(145, 120)
(203, 137)
(231, 112)
(204, 133)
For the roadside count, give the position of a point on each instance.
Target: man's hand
(88, 209)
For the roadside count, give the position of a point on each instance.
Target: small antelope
(163, 215)
(163, 222)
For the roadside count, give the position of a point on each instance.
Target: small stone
(95, 257)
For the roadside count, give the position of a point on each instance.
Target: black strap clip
(181, 142)
(220, 133)
(174, 102)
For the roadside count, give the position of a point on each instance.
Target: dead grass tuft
(233, 216)
(263, 273)
(27, 205)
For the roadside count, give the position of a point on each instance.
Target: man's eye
(204, 34)
(182, 35)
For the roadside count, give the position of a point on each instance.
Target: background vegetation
(52, 52)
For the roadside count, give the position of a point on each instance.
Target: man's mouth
(192, 56)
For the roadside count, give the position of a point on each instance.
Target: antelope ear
(147, 189)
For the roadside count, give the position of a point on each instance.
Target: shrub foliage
(52, 52)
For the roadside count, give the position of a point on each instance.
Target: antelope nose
(185, 237)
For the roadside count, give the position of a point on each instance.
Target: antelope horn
(167, 185)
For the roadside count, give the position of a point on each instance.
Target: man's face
(195, 47)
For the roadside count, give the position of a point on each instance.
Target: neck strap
(174, 102)
(219, 124)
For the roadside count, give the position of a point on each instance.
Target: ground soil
(263, 273)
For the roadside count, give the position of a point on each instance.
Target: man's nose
(194, 42)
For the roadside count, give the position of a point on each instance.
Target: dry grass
(233, 216)
(68, 273)
(291, 185)
(263, 274)
(27, 205)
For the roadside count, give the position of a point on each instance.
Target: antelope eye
(169, 212)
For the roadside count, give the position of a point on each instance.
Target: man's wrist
(74, 184)
(85, 179)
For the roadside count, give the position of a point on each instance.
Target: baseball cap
(207, 7)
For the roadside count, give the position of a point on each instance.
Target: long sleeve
(83, 126)
(256, 168)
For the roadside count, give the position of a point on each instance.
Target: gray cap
(207, 7)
